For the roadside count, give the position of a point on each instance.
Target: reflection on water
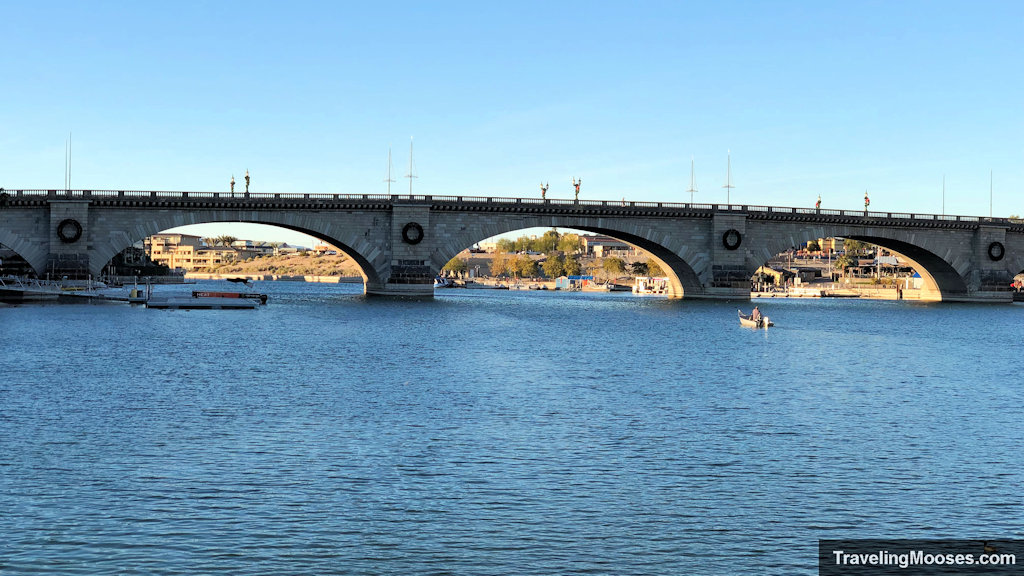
(499, 432)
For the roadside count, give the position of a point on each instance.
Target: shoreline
(278, 277)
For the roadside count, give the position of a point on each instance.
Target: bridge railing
(555, 202)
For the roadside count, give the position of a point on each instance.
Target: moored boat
(443, 282)
(261, 298)
(208, 300)
(648, 285)
(201, 303)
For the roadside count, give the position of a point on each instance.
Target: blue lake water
(491, 432)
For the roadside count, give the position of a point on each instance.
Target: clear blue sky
(830, 98)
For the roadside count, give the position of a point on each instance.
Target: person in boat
(756, 315)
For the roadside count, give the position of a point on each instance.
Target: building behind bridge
(192, 254)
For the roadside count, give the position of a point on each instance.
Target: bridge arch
(33, 253)
(109, 243)
(675, 256)
(941, 279)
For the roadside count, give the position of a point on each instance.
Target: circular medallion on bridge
(412, 233)
(69, 230)
(996, 251)
(731, 239)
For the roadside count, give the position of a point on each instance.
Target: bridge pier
(981, 297)
(401, 290)
(68, 234)
(730, 279)
(412, 241)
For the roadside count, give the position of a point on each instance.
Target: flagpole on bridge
(410, 175)
(389, 179)
(728, 178)
(693, 187)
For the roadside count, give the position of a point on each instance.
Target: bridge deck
(273, 200)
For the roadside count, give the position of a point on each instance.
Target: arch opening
(681, 277)
(939, 280)
(203, 240)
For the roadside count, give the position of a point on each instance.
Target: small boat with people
(754, 319)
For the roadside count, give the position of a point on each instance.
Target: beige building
(187, 252)
(832, 245)
(601, 246)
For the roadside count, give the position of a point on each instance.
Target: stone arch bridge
(402, 242)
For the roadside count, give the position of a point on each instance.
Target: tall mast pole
(67, 163)
(389, 179)
(693, 188)
(943, 194)
(410, 175)
(728, 178)
(990, 193)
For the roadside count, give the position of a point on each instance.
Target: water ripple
(525, 433)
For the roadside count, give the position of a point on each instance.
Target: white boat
(441, 282)
(748, 321)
